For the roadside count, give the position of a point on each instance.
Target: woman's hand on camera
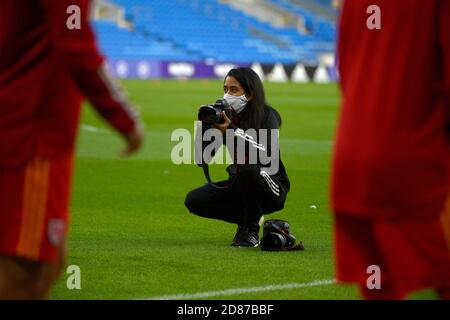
(223, 126)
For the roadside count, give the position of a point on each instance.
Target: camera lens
(273, 242)
(208, 115)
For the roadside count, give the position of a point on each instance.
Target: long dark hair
(255, 111)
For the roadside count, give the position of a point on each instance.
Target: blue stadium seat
(196, 30)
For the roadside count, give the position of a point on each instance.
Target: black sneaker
(246, 236)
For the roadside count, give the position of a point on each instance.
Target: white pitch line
(228, 292)
(89, 128)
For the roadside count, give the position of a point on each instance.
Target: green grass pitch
(133, 238)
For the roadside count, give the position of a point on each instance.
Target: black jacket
(256, 143)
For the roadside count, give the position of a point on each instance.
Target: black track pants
(253, 194)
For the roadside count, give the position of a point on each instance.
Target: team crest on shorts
(56, 231)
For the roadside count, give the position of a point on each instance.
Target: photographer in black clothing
(254, 188)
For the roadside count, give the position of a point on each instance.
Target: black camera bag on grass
(277, 237)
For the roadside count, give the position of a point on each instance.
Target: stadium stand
(212, 30)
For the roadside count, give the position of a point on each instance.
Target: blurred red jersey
(45, 69)
(392, 152)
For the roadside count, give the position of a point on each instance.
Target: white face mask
(238, 103)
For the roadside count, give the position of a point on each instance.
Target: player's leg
(444, 293)
(357, 249)
(26, 279)
(387, 292)
(54, 270)
(19, 278)
(34, 202)
(417, 253)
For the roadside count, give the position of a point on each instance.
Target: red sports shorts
(411, 255)
(34, 202)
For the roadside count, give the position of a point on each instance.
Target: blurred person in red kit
(46, 68)
(391, 165)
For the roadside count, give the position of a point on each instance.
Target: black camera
(210, 114)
